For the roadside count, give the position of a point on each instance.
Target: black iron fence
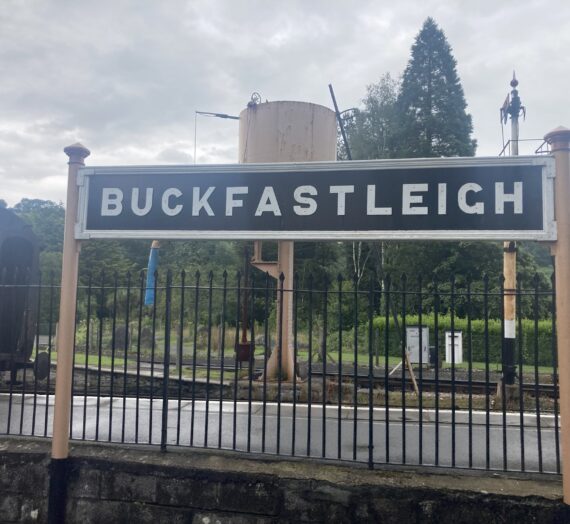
(387, 371)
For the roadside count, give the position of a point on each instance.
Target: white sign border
(546, 234)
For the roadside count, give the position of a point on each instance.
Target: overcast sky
(125, 77)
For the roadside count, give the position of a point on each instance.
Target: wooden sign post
(559, 140)
(64, 342)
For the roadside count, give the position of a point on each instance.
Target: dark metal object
(387, 308)
(555, 371)
(180, 354)
(251, 356)
(453, 414)
(518, 311)
(504, 382)
(542, 149)
(217, 115)
(268, 282)
(536, 379)
(371, 373)
(295, 359)
(113, 351)
(235, 388)
(339, 372)
(208, 357)
(100, 316)
(376, 417)
(125, 353)
(166, 364)
(19, 263)
(487, 371)
(340, 124)
(470, 371)
(194, 352)
(223, 320)
(57, 494)
(310, 366)
(243, 348)
(254, 100)
(404, 356)
(41, 366)
(421, 374)
(138, 362)
(280, 362)
(355, 368)
(324, 362)
(153, 355)
(436, 308)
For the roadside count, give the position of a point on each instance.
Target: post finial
(77, 153)
(514, 81)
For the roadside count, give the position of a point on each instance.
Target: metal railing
(536, 146)
(367, 387)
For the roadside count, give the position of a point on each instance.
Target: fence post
(559, 140)
(166, 362)
(65, 335)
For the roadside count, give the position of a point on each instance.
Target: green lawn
(106, 362)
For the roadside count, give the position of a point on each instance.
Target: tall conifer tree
(431, 105)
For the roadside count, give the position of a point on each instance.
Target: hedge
(535, 339)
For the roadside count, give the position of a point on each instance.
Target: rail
(350, 398)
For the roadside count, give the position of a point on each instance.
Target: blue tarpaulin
(151, 273)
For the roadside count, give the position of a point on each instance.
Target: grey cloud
(125, 76)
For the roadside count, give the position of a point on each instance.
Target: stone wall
(126, 484)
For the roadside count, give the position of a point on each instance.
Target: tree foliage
(431, 105)
(372, 131)
(424, 115)
(47, 221)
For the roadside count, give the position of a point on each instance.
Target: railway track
(443, 385)
(427, 384)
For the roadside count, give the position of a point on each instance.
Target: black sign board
(453, 198)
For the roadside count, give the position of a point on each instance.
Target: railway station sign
(448, 198)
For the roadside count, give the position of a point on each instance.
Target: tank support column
(285, 132)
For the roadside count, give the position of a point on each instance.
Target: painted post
(285, 132)
(559, 140)
(64, 344)
(514, 109)
(509, 315)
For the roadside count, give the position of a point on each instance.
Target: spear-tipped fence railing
(168, 374)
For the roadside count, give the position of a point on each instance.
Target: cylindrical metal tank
(287, 132)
